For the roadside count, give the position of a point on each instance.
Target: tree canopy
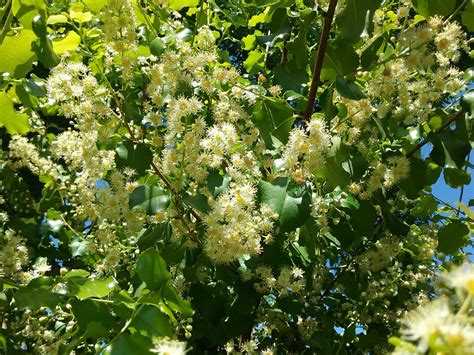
(253, 176)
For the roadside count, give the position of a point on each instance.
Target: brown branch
(323, 43)
(446, 124)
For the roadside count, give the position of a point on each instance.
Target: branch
(323, 43)
(446, 124)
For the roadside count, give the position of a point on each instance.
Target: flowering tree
(244, 175)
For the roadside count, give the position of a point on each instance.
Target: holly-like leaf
(293, 208)
(151, 268)
(151, 199)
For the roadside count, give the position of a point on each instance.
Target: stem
(456, 11)
(323, 43)
(8, 21)
(446, 124)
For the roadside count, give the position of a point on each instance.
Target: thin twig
(446, 124)
(323, 43)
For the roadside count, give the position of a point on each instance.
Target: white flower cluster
(436, 326)
(305, 152)
(13, 255)
(234, 226)
(24, 154)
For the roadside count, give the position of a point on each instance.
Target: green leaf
(175, 302)
(95, 5)
(152, 235)
(55, 19)
(127, 344)
(35, 297)
(356, 18)
(456, 177)
(248, 42)
(274, 120)
(467, 17)
(26, 10)
(17, 57)
(78, 247)
(96, 288)
(136, 156)
(428, 8)
(93, 317)
(341, 57)
(151, 268)
(151, 322)
(290, 77)
(254, 62)
(157, 46)
(150, 198)
(14, 122)
(426, 206)
(452, 237)
(69, 43)
(299, 43)
(80, 17)
(180, 4)
(293, 208)
(349, 89)
(449, 150)
(370, 54)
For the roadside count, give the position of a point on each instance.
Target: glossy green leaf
(180, 4)
(13, 121)
(17, 56)
(425, 206)
(26, 10)
(449, 150)
(151, 322)
(175, 302)
(96, 288)
(157, 46)
(95, 5)
(93, 318)
(293, 208)
(152, 269)
(136, 156)
(467, 17)
(69, 43)
(151, 199)
(127, 344)
(370, 54)
(356, 18)
(35, 297)
(341, 57)
(274, 120)
(349, 89)
(254, 62)
(456, 177)
(434, 7)
(152, 235)
(452, 237)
